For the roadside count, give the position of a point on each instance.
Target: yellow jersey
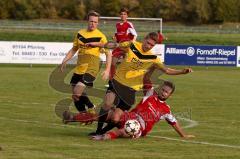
(135, 64)
(89, 57)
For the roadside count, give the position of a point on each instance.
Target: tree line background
(186, 11)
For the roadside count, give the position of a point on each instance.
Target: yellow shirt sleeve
(75, 42)
(125, 44)
(103, 39)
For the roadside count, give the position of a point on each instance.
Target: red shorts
(117, 52)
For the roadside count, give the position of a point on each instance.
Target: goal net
(141, 25)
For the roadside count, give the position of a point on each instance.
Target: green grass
(67, 36)
(36, 35)
(31, 129)
(203, 39)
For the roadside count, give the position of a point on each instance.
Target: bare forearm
(69, 55)
(108, 61)
(111, 45)
(178, 129)
(171, 71)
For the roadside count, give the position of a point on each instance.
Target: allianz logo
(190, 51)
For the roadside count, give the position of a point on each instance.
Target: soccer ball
(132, 127)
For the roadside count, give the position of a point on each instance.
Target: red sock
(83, 117)
(112, 71)
(112, 135)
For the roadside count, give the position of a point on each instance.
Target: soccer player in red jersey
(160, 37)
(148, 112)
(124, 32)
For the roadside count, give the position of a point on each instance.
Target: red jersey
(149, 111)
(125, 31)
(160, 38)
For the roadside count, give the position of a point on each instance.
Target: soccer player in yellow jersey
(88, 62)
(129, 77)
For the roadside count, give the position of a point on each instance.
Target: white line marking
(191, 124)
(44, 123)
(196, 142)
(153, 136)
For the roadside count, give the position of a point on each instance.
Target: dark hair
(153, 36)
(93, 13)
(169, 84)
(124, 10)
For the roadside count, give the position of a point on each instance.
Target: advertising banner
(238, 57)
(159, 51)
(201, 55)
(35, 52)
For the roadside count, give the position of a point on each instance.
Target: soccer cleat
(67, 117)
(85, 117)
(97, 137)
(92, 110)
(95, 133)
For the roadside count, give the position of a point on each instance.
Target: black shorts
(86, 79)
(125, 96)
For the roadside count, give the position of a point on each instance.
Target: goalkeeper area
(206, 103)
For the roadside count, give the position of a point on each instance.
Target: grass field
(64, 31)
(31, 129)
(67, 36)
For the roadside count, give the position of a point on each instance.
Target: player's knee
(115, 118)
(75, 98)
(108, 105)
(80, 84)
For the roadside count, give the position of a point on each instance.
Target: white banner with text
(45, 52)
(238, 57)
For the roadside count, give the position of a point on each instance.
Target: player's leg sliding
(108, 127)
(102, 118)
(82, 117)
(114, 122)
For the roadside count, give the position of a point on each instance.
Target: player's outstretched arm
(69, 55)
(95, 44)
(111, 45)
(179, 130)
(171, 71)
(106, 72)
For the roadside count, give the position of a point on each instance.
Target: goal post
(141, 25)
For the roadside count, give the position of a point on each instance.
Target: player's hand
(188, 136)
(105, 75)
(114, 38)
(187, 70)
(63, 66)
